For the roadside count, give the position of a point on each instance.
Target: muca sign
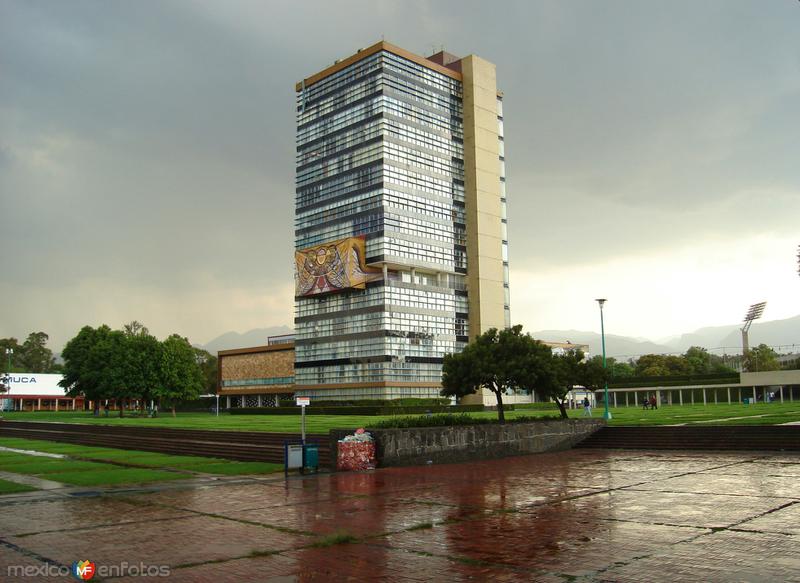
(24, 380)
(34, 384)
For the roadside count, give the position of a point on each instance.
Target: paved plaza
(580, 515)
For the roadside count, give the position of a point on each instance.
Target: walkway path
(581, 515)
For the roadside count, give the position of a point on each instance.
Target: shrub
(320, 409)
(450, 419)
(547, 406)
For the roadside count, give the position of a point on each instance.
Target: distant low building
(36, 392)
(261, 376)
(257, 376)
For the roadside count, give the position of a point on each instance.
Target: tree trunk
(121, 405)
(562, 408)
(173, 409)
(501, 415)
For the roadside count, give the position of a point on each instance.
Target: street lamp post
(9, 354)
(601, 301)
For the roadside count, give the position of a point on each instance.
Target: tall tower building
(400, 225)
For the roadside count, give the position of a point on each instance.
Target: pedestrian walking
(653, 402)
(587, 407)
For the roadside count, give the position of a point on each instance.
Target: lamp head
(601, 301)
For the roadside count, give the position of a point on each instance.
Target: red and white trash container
(356, 452)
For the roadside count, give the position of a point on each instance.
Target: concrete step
(731, 437)
(240, 446)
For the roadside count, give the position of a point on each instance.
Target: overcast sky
(147, 156)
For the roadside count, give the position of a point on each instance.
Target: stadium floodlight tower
(753, 313)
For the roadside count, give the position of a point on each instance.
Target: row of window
(361, 225)
(339, 164)
(360, 178)
(396, 129)
(412, 91)
(333, 83)
(364, 348)
(422, 74)
(340, 120)
(331, 144)
(337, 101)
(342, 209)
(370, 393)
(264, 381)
(433, 165)
(388, 296)
(417, 181)
(338, 81)
(419, 326)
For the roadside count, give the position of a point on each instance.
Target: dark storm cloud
(152, 144)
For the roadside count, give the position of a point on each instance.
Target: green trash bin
(311, 456)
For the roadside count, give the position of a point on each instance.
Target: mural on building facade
(332, 267)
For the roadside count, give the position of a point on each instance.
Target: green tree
(13, 344)
(181, 376)
(208, 365)
(80, 374)
(35, 357)
(135, 328)
(569, 370)
(112, 365)
(499, 361)
(761, 358)
(616, 369)
(595, 375)
(652, 365)
(144, 355)
(698, 360)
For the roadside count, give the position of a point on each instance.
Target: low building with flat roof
(36, 392)
(257, 376)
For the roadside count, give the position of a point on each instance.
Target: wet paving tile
(357, 516)
(352, 562)
(681, 508)
(784, 520)
(718, 557)
(750, 484)
(189, 540)
(583, 515)
(769, 467)
(74, 514)
(14, 565)
(570, 538)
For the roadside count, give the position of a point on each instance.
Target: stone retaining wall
(439, 445)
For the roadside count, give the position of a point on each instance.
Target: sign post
(303, 402)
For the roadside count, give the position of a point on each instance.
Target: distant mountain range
(256, 337)
(782, 335)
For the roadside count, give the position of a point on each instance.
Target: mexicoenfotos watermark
(86, 570)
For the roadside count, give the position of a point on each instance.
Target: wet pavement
(581, 515)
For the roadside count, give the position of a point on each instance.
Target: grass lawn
(86, 465)
(720, 414)
(771, 413)
(7, 487)
(272, 423)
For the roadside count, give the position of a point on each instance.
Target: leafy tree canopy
(499, 361)
(31, 356)
(130, 364)
(761, 358)
(181, 376)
